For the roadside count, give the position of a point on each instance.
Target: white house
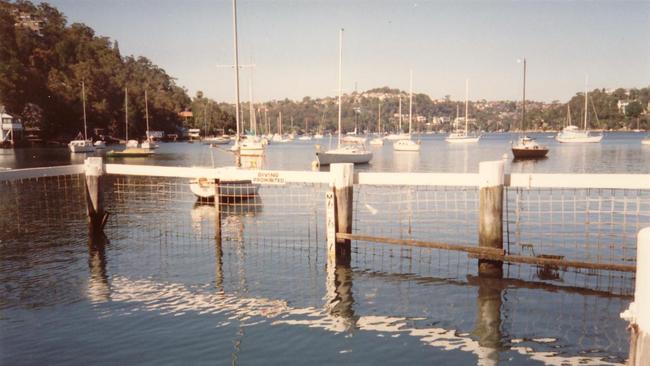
(9, 127)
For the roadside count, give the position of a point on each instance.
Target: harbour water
(166, 289)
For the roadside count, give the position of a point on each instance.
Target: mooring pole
(490, 230)
(94, 171)
(638, 314)
(341, 198)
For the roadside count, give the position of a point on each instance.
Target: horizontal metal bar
(423, 244)
(50, 171)
(490, 253)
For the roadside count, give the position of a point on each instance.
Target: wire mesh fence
(28, 204)
(168, 206)
(433, 213)
(591, 225)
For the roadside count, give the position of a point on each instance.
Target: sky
(294, 45)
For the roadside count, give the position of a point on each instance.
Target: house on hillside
(11, 129)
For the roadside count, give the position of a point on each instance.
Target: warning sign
(269, 178)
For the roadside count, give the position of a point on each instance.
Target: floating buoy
(315, 165)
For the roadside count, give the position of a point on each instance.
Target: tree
(634, 109)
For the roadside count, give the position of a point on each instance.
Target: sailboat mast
(205, 120)
(466, 103)
(83, 102)
(252, 108)
(340, 65)
(126, 113)
(379, 118)
(236, 51)
(400, 112)
(523, 109)
(410, 99)
(457, 115)
(586, 98)
(146, 112)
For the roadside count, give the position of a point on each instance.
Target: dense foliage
(41, 71)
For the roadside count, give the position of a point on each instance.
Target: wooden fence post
(343, 177)
(94, 171)
(490, 230)
(638, 314)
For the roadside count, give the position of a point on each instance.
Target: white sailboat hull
(81, 146)
(377, 142)
(205, 189)
(401, 136)
(462, 139)
(578, 139)
(343, 156)
(406, 145)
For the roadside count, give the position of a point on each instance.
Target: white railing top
(606, 181)
(50, 171)
(522, 180)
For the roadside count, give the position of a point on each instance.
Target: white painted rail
(522, 180)
(32, 173)
(612, 181)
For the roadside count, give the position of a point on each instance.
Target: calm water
(165, 288)
(618, 153)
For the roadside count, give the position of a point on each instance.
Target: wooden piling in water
(94, 172)
(343, 177)
(490, 231)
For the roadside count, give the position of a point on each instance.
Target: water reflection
(488, 318)
(339, 300)
(98, 286)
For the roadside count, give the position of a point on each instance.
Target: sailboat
(408, 144)
(82, 145)
(459, 136)
(357, 154)
(236, 190)
(148, 144)
(399, 135)
(526, 147)
(379, 140)
(253, 146)
(132, 149)
(306, 136)
(572, 134)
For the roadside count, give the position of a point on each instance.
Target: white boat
(351, 139)
(230, 190)
(148, 144)
(99, 144)
(356, 154)
(318, 136)
(305, 138)
(526, 147)
(395, 136)
(377, 141)
(460, 136)
(218, 140)
(132, 144)
(82, 145)
(572, 134)
(408, 144)
(252, 146)
(646, 140)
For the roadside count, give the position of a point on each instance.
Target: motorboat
(81, 146)
(406, 145)
(527, 148)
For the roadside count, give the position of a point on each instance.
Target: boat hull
(130, 153)
(579, 140)
(532, 153)
(406, 145)
(462, 140)
(229, 191)
(325, 158)
(80, 146)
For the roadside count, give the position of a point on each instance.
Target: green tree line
(41, 72)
